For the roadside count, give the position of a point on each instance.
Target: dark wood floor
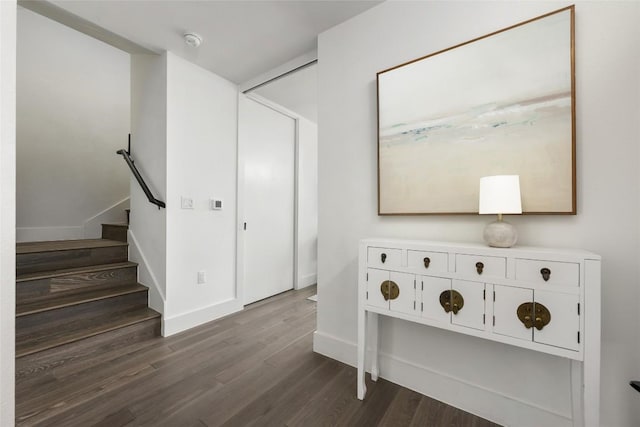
(254, 368)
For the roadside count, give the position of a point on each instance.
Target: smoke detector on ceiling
(192, 39)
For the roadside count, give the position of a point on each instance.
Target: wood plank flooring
(254, 368)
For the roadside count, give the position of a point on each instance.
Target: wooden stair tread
(59, 336)
(68, 299)
(76, 270)
(65, 245)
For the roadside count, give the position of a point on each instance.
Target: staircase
(73, 294)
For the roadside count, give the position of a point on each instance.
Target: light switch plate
(187, 203)
(202, 278)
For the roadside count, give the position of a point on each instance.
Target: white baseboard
(308, 280)
(182, 322)
(473, 398)
(35, 234)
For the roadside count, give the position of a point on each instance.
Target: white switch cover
(187, 203)
(202, 278)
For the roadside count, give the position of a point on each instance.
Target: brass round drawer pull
(389, 290)
(479, 267)
(451, 300)
(525, 313)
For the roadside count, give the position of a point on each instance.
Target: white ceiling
(242, 39)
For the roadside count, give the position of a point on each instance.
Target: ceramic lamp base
(500, 234)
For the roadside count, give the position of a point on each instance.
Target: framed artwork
(501, 104)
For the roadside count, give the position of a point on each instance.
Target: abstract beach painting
(502, 104)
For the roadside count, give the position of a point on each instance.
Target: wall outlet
(202, 277)
(187, 203)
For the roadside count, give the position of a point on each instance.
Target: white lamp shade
(500, 194)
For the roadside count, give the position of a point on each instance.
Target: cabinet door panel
(472, 312)
(432, 287)
(375, 298)
(505, 307)
(562, 330)
(406, 300)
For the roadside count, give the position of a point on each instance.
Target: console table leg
(577, 396)
(373, 336)
(362, 320)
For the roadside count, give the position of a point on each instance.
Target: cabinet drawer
(384, 257)
(481, 266)
(429, 262)
(559, 273)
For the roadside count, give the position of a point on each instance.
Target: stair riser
(74, 354)
(54, 286)
(29, 325)
(114, 232)
(55, 260)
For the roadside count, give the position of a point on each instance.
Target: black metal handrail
(635, 385)
(127, 158)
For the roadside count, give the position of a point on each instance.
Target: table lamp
(500, 194)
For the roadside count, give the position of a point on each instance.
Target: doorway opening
(277, 185)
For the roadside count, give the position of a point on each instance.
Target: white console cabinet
(542, 299)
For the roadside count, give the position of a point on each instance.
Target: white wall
(148, 226)
(201, 164)
(73, 114)
(307, 203)
(482, 377)
(184, 124)
(7, 213)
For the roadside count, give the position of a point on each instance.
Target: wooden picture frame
(501, 104)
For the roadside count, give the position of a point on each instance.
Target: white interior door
(267, 140)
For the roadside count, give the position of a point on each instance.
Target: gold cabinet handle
(479, 267)
(445, 300)
(390, 290)
(451, 300)
(539, 313)
(524, 312)
(383, 257)
(427, 261)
